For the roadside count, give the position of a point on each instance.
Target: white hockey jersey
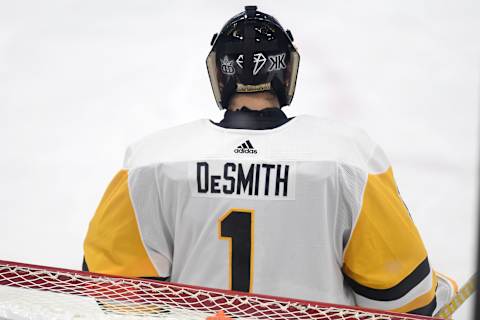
(307, 210)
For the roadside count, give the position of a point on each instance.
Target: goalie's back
(287, 211)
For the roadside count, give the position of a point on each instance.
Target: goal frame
(213, 291)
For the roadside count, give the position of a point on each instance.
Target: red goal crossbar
(68, 294)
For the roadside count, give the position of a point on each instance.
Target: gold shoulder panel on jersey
(384, 246)
(113, 244)
(385, 257)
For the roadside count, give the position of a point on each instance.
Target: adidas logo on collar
(245, 147)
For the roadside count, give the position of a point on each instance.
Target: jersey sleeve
(115, 242)
(385, 261)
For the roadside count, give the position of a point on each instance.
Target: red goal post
(38, 292)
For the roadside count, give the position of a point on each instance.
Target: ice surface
(80, 80)
(31, 304)
(23, 304)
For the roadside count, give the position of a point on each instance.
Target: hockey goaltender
(299, 207)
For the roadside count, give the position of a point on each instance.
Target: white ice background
(80, 80)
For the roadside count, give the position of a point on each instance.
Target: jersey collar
(253, 120)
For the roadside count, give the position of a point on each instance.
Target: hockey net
(35, 292)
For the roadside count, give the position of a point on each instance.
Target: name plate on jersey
(246, 180)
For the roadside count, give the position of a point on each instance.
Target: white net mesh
(33, 292)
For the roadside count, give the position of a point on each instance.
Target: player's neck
(256, 101)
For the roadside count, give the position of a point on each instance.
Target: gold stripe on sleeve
(113, 244)
(385, 246)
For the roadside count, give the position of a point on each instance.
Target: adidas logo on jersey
(245, 147)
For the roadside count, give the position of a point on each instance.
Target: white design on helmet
(277, 62)
(240, 61)
(259, 60)
(227, 66)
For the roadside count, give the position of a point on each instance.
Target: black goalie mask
(253, 53)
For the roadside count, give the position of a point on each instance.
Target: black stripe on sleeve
(395, 292)
(157, 278)
(426, 310)
(84, 265)
(85, 268)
